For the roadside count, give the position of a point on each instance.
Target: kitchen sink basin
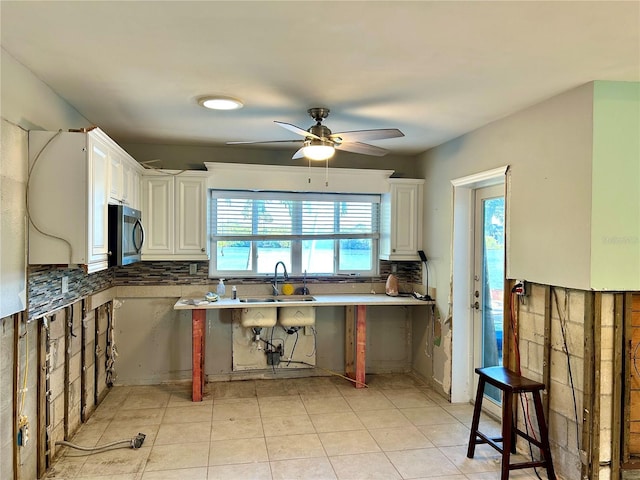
(281, 298)
(295, 298)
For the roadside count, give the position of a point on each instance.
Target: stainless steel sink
(295, 298)
(282, 298)
(257, 299)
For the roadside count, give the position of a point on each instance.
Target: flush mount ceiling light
(220, 103)
(318, 149)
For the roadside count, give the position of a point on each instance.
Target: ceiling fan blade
(264, 141)
(376, 134)
(298, 154)
(297, 130)
(364, 148)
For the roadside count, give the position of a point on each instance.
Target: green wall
(615, 205)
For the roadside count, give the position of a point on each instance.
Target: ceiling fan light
(220, 103)
(315, 149)
(318, 152)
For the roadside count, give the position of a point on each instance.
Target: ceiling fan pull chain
(326, 173)
(309, 170)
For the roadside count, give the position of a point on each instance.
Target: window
(322, 234)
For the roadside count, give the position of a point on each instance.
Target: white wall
(13, 217)
(615, 233)
(548, 149)
(30, 103)
(27, 103)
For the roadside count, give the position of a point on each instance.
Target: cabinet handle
(202, 249)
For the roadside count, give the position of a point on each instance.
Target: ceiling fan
(319, 143)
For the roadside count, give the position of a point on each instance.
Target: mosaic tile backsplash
(45, 287)
(45, 293)
(177, 273)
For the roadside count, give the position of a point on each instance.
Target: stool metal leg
(544, 434)
(476, 419)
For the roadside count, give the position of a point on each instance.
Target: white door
(488, 282)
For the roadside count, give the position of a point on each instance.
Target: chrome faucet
(274, 285)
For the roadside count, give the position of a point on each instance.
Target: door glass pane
(492, 286)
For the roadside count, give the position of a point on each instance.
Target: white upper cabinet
(125, 175)
(98, 226)
(401, 220)
(191, 216)
(174, 209)
(69, 192)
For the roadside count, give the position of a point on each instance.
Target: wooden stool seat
(510, 383)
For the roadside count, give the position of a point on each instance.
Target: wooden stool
(511, 384)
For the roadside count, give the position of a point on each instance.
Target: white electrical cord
(38, 229)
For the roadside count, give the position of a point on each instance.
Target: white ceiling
(435, 70)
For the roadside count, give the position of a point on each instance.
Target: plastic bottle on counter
(221, 288)
(234, 293)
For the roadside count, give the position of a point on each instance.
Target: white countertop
(322, 300)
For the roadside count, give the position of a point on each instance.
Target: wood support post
(356, 343)
(198, 318)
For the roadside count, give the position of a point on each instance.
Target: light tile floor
(313, 428)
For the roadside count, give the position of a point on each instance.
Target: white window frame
(296, 238)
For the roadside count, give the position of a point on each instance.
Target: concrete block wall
(89, 327)
(607, 354)
(102, 315)
(564, 431)
(74, 321)
(57, 346)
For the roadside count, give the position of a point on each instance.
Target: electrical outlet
(520, 287)
(65, 285)
(193, 268)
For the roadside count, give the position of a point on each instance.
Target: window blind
(242, 215)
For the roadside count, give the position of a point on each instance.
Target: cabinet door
(158, 216)
(404, 220)
(191, 217)
(98, 192)
(133, 189)
(116, 176)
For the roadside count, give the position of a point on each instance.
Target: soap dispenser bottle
(221, 288)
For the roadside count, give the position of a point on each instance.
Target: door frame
(462, 257)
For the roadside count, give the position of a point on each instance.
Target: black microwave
(126, 235)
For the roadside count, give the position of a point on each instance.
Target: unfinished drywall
(154, 341)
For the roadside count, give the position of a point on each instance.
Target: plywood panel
(635, 303)
(634, 443)
(634, 364)
(634, 408)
